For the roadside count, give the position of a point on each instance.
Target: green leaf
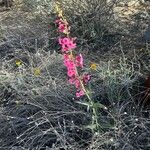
(91, 126)
(84, 103)
(99, 105)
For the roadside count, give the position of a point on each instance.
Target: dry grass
(37, 105)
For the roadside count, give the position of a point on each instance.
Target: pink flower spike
(80, 93)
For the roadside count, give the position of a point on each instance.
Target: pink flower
(65, 41)
(66, 56)
(75, 81)
(71, 73)
(71, 45)
(79, 61)
(68, 62)
(58, 21)
(71, 80)
(86, 78)
(80, 93)
(60, 41)
(70, 65)
(64, 48)
(67, 44)
(62, 27)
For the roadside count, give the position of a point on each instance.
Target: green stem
(94, 110)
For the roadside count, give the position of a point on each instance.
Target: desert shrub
(40, 110)
(38, 6)
(38, 106)
(90, 21)
(120, 89)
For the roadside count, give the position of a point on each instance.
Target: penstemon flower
(63, 26)
(67, 44)
(79, 61)
(75, 81)
(86, 78)
(71, 62)
(80, 93)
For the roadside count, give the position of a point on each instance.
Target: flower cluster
(67, 43)
(63, 26)
(71, 62)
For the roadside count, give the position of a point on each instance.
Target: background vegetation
(38, 108)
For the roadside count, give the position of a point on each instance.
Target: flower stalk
(73, 62)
